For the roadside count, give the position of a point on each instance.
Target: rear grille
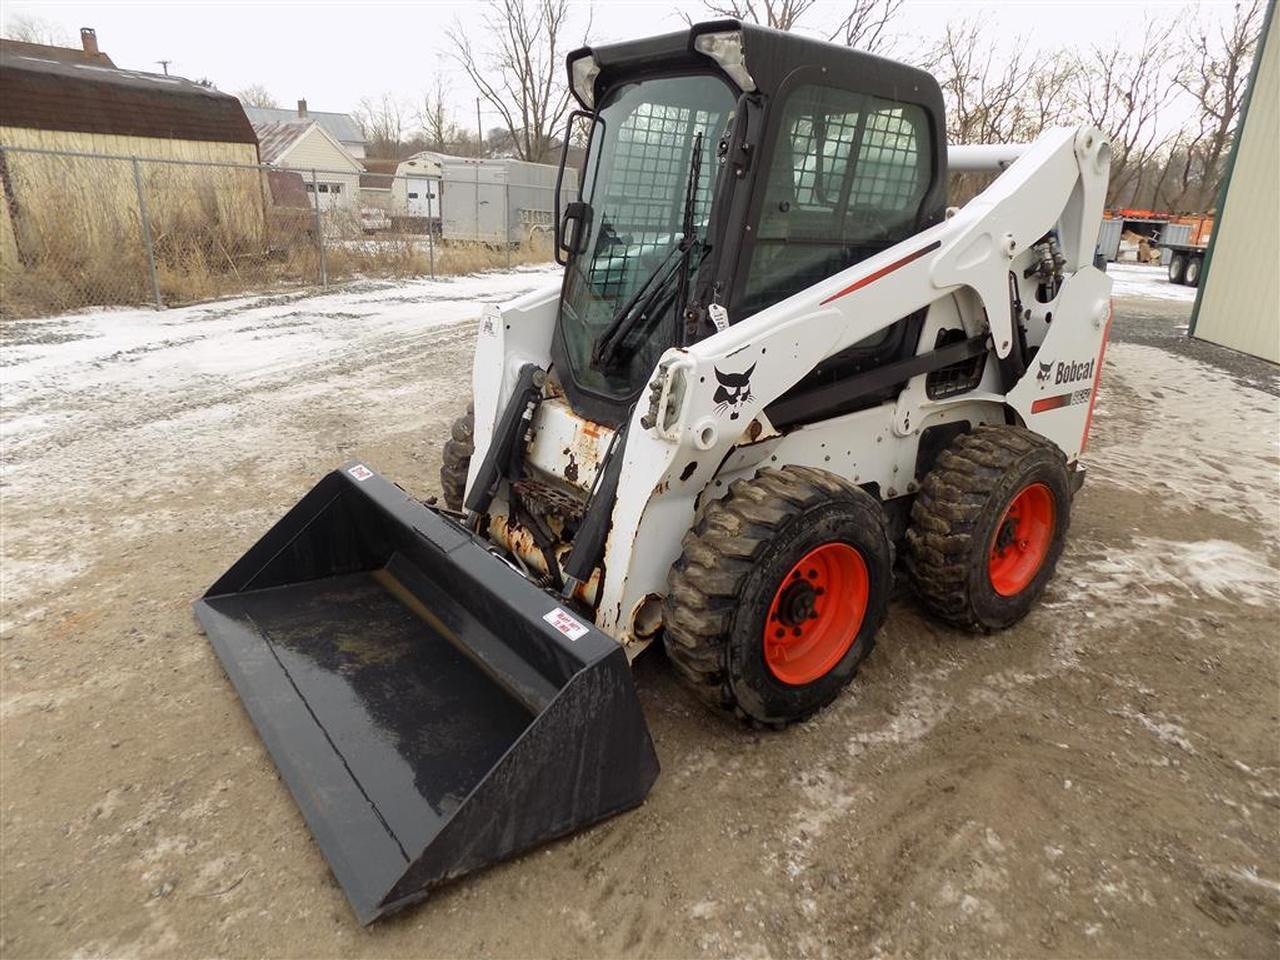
(959, 377)
(546, 500)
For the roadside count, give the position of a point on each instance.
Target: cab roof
(771, 56)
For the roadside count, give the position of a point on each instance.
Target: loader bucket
(431, 710)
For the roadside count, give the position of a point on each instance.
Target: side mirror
(571, 226)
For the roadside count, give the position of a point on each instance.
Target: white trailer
(498, 200)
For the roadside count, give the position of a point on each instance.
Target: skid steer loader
(774, 359)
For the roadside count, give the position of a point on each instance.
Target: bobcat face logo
(1045, 370)
(733, 392)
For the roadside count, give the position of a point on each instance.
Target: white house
(341, 125)
(307, 148)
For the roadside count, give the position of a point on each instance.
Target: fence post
(315, 208)
(431, 233)
(146, 233)
(506, 217)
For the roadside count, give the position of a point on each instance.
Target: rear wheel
(455, 461)
(988, 526)
(1193, 272)
(778, 594)
(1177, 268)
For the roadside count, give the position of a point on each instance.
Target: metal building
(1238, 304)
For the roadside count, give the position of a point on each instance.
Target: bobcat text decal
(734, 390)
(1061, 373)
(1071, 371)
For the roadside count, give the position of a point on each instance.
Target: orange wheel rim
(1022, 539)
(816, 613)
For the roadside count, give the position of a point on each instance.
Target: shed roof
(343, 128)
(48, 51)
(45, 94)
(277, 138)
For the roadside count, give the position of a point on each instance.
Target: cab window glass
(846, 179)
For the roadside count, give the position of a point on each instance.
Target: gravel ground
(1103, 779)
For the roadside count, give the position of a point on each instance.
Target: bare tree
(522, 77)
(1215, 73)
(256, 95)
(1049, 99)
(779, 14)
(866, 25)
(1121, 89)
(381, 120)
(30, 29)
(438, 127)
(985, 95)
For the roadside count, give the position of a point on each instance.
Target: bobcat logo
(1045, 370)
(733, 392)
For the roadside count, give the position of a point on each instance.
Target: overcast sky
(335, 53)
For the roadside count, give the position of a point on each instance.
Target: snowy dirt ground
(1100, 780)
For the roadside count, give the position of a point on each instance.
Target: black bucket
(431, 710)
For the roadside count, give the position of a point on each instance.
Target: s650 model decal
(1061, 400)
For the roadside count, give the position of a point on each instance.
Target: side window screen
(846, 179)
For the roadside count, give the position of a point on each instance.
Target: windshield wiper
(656, 287)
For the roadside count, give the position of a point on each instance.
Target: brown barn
(79, 102)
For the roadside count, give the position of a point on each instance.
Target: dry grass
(74, 238)
(416, 257)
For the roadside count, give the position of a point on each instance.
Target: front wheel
(988, 526)
(1177, 268)
(778, 594)
(455, 459)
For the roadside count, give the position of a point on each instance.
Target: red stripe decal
(1097, 383)
(1050, 403)
(882, 272)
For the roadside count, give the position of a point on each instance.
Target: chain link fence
(84, 230)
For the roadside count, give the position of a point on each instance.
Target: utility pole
(479, 131)
(165, 65)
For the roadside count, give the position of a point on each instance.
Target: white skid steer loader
(774, 357)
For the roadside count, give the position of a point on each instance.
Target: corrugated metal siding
(1240, 304)
(1173, 233)
(1109, 238)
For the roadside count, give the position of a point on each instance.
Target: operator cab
(728, 167)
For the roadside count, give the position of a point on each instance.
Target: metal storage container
(1173, 233)
(1109, 238)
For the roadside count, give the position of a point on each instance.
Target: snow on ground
(1211, 435)
(1154, 572)
(147, 399)
(242, 338)
(1140, 280)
